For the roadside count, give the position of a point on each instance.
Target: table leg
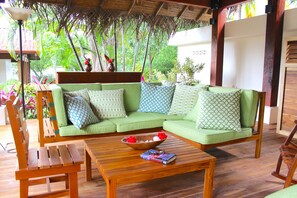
(111, 189)
(88, 166)
(208, 180)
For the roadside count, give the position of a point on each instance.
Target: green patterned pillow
(184, 99)
(219, 111)
(83, 93)
(79, 112)
(108, 103)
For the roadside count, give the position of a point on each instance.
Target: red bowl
(141, 143)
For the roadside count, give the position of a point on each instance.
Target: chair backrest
(19, 130)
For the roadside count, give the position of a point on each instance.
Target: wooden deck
(237, 172)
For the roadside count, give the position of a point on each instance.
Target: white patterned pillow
(184, 99)
(219, 111)
(155, 98)
(79, 112)
(108, 103)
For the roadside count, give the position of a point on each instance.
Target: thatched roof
(167, 16)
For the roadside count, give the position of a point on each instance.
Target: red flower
(131, 139)
(162, 135)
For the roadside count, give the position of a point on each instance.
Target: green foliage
(183, 73)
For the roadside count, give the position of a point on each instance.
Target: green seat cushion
(219, 111)
(79, 111)
(184, 99)
(108, 103)
(137, 121)
(131, 94)
(105, 126)
(187, 129)
(155, 98)
(290, 192)
(168, 117)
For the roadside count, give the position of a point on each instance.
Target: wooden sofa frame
(48, 127)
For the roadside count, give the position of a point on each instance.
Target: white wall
(5, 69)
(243, 51)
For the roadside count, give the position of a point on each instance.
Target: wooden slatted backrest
(19, 130)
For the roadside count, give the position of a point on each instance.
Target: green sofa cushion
(105, 126)
(79, 86)
(168, 117)
(57, 92)
(248, 104)
(188, 130)
(136, 121)
(290, 192)
(131, 94)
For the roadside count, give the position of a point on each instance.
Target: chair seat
(44, 160)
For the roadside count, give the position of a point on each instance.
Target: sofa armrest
(58, 99)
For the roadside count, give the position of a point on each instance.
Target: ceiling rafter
(200, 3)
(159, 9)
(201, 13)
(131, 7)
(182, 12)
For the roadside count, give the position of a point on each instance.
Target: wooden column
(26, 69)
(217, 46)
(273, 47)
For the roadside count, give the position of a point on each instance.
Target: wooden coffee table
(119, 164)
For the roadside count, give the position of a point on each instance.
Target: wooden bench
(43, 165)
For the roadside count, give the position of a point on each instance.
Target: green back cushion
(79, 86)
(131, 94)
(219, 111)
(57, 92)
(248, 104)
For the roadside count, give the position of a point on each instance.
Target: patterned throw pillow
(79, 112)
(219, 111)
(108, 103)
(184, 99)
(83, 93)
(155, 98)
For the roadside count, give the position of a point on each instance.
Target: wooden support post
(217, 46)
(273, 47)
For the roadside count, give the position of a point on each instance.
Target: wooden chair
(288, 155)
(43, 165)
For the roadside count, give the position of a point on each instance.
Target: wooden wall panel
(289, 107)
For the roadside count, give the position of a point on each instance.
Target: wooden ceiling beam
(200, 14)
(131, 7)
(228, 3)
(159, 9)
(182, 12)
(200, 3)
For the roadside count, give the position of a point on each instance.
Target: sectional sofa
(185, 111)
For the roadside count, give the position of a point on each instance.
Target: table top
(117, 160)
